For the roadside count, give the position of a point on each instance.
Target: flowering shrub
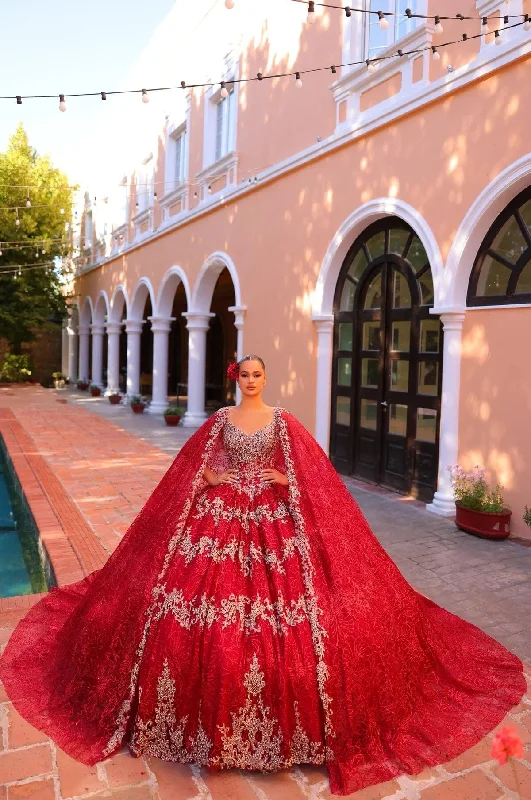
(15, 368)
(471, 490)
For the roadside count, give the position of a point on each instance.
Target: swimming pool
(24, 564)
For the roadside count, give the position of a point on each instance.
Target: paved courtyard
(87, 468)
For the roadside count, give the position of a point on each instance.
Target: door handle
(384, 404)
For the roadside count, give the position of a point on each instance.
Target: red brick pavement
(86, 480)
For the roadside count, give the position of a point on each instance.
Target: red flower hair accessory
(233, 371)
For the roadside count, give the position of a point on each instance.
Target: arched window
(502, 271)
(387, 364)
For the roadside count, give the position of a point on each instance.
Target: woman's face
(252, 378)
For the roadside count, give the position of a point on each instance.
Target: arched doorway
(178, 347)
(387, 363)
(146, 350)
(221, 343)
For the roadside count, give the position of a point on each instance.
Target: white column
(443, 501)
(239, 314)
(161, 329)
(72, 352)
(97, 353)
(64, 347)
(323, 396)
(113, 357)
(133, 328)
(197, 323)
(84, 333)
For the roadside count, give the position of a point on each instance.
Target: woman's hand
(271, 476)
(213, 479)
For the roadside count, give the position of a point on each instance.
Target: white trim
(475, 225)
(137, 312)
(120, 289)
(498, 308)
(164, 304)
(323, 296)
(139, 219)
(377, 117)
(206, 282)
(225, 167)
(352, 85)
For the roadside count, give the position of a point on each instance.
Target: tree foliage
(35, 298)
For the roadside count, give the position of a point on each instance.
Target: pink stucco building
(368, 233)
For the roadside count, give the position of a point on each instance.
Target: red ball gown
(257, 626)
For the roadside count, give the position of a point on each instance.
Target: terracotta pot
(172, 419)
(95, 392)
(138, 408)
(486, 524)
(115, 399)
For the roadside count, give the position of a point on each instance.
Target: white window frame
(212, 98)
(145, 185)
(399, 26)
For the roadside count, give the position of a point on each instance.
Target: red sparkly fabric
(257, 626)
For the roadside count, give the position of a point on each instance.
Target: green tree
(32, 298)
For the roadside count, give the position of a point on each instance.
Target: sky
(64, 46)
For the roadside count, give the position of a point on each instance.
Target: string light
(383, 22)
(28, 202)
(62, 104)
(438, 25)
(497, 38)
(17, 221)
(485, 26)
(103, 96)
(298, 81)
(348, 11)
(229, 4)
(370, 66)
(224, 91)
(311, 12)
(145, 96)
(436, 55)
(527, 23)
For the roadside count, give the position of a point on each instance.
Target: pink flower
(506, 744)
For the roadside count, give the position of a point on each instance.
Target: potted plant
(95, 390)
(173, 415)
(82, 384)
(137, 404)
(58, 380)
(115, 398)
(479, 510)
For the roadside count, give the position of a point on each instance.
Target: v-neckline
(249, 435)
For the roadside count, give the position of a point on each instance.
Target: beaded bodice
(250, 453)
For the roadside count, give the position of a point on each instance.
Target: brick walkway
(86, 479)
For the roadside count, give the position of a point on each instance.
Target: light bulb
(438, 25)
(28, 203)
(224, 93)
(62, 104)
(497, 38)
(527, 23)
(61, 211)
(485, 26)
(0, 252)
(17, 222)
(43, 252)
(229, 3)
(298, 81)
(145, 96)
(370, 66)
(383, 22)
(436, 54)
(311, 12)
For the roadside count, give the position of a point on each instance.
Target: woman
(250, 619)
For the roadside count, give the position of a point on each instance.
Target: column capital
(197, 320)
(324, 323)
(134, 325)
(239, 314)
(451, 317)
(83, 330)
(161, 324)
(113, 327)
(97, 328)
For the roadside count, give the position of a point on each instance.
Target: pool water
(24, 566)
